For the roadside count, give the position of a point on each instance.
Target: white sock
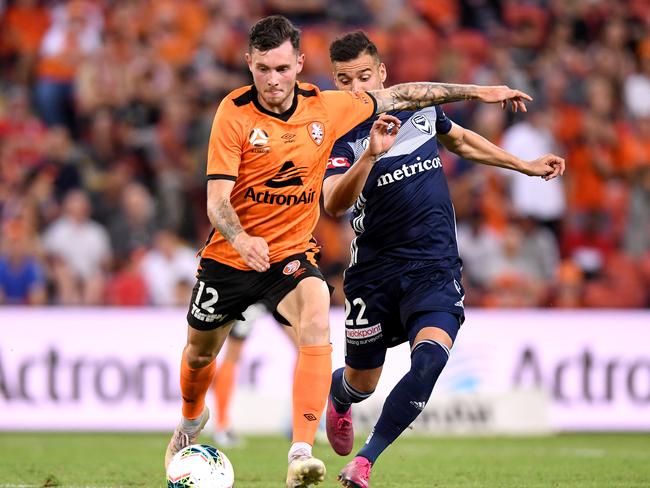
(299, 446)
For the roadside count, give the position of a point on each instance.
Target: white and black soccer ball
(200, 466)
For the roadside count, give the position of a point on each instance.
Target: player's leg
(349, 385)
(306, 308)
(291, 334)
(321, 436)
(429, 355)
(197, 371)
(431, 336)
(223, 387)
(219, 297)
(224, 378)
(370, 309)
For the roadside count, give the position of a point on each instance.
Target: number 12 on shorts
(206, 305)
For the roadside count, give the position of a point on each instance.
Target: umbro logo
(288, 137)
(289, 175)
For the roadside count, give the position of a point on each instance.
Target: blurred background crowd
(106, 108)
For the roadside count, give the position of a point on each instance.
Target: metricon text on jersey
(415, 168)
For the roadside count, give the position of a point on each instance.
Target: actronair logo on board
(408, 170)
(58, 376)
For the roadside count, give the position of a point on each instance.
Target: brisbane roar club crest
(291, 267)
(316, 132)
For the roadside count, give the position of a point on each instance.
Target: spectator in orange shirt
(74, 33)
(25, 24)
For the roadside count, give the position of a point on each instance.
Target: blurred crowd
(106, 107)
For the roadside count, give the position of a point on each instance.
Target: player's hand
(253, 250)
(504, 95)
(383, 133)
(548, 167)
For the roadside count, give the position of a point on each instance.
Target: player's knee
(363, 380)
(198, 359)
(314, 329)
(428, 359)
(437, 334)
(312, 336)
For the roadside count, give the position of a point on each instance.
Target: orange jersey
(277, 162)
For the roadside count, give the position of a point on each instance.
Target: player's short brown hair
(351, 46)
(270, 32)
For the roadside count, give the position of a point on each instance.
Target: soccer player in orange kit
(267, 155)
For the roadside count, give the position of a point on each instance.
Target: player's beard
(278, 99)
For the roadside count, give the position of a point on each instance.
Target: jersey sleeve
(443, 123)
(225, 146)
(340, 160)
(346, 109)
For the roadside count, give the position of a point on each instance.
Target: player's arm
(253, 250)
(341, 191)
(470, 145)
(414, 96)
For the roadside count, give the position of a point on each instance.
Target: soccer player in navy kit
(404, 279)
(266, 159)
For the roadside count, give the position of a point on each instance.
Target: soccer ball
(200, 466)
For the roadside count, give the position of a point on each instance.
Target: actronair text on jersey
(304, 198)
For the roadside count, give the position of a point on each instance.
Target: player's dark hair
(270, 32)
(351, 46)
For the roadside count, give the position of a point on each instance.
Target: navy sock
(408, 398)
(343, 395)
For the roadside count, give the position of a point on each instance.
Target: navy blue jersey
(404, 211)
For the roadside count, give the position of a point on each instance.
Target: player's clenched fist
(548, 167)
(253, 250)
(383, 133)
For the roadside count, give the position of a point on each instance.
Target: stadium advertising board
(100, 369)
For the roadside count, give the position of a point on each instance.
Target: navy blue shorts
(391, 309)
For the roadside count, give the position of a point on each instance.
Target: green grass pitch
(125, 460)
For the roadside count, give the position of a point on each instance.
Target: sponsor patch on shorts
(364, 333)
(206, 317)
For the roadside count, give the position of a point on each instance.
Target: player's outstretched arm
(470, 145)
(253, 250)
(413, 96)
(342, 190)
